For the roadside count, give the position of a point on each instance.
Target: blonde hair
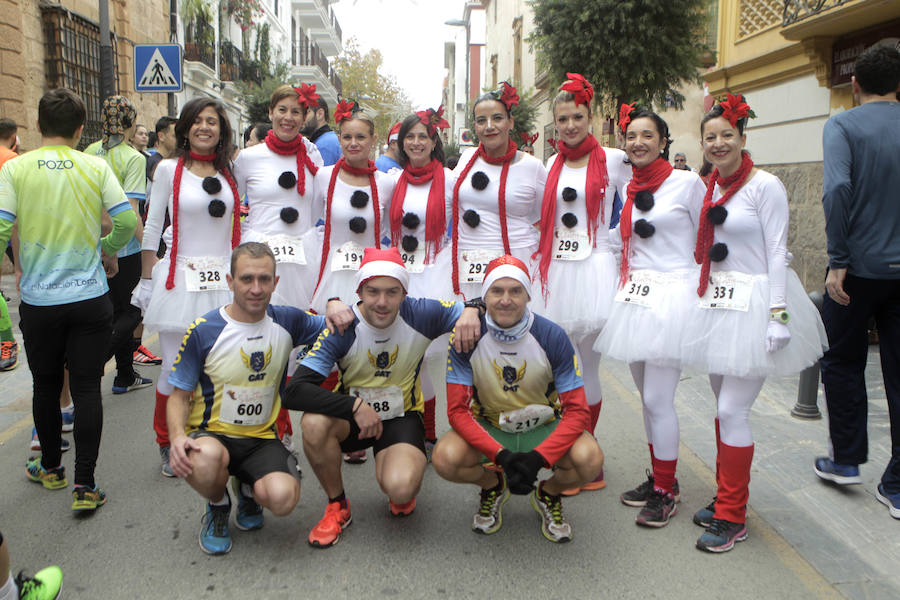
(364, 114)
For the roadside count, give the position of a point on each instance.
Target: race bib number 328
(205, 274)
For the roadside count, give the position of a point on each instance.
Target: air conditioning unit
(465, 138)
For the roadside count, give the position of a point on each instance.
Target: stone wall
(806, 234)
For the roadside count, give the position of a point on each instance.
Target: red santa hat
(506, 266)
(395, 131)
(382, 263)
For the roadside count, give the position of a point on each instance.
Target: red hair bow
(528, 140)
(552, 142)
(509, 97)
(433, 119)
(344, 110)
(307, 95)
(580, 87)
(625, 115)
(734, 109)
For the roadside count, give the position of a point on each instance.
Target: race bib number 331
(728, 290)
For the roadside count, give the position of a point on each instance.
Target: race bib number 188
(386, 401)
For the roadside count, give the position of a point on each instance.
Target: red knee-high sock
(283, 423)
(718, 451)
(664, 474)
(734, 483)
(429, 420)
(652, 456)
(595, 415)
(159, 419)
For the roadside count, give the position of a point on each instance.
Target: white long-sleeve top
(416, 202)
(342, 211)
(256, 171)
(200, 234)
(755, 232)
(524, 194)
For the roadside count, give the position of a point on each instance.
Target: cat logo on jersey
(256, 362)
(383, 362)
(509, 376)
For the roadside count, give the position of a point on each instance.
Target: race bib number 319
(643, 288)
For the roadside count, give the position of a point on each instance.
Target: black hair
(152, 138)
(8, 128)
(407, 124)
(189, 114)
(716, 111)
(60, 113)
(877, 70)
(661, 126)
(163, 123)
(262, 130)
(324, 106)
(490, 96)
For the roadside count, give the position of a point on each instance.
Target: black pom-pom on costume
(717, 215)
(409, 243)
(471, 218)
(359, 199)
(644, 228)
(287, 180)
(357, 225)
(411, 220)
(289, 214)
(211, 185)
(480, 180)
(569, 220)
(643, 200)
(216, 208)
(569, 194)
(718, 252)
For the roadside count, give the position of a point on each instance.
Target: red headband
(625, 115)
(433, 119)
(552, 142)
(509, 97)
(307, 95)
(344, 109)
(580, 87)
(528, 140)
(734, 108)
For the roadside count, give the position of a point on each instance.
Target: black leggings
(125, 317)
(76, 336)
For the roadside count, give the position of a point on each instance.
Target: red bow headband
(433, 119)
(579, 87)
(625, 115)
(507, 95)
(735, 108)
(528, 140)
(307, 95)
(345, 109)
(552, 142)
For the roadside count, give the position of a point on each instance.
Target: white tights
(656, 385)
(589, 363)
(169, 343)
(734, 399)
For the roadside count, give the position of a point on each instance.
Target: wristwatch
(781, 316)
(476, 303)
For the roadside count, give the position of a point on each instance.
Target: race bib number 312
(287, 249)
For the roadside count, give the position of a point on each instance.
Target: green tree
(629, 50)
(362, 79)
(256, 97)
(523, 114)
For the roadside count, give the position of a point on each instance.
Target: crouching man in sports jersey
(517, 399)
(228, 378)
(379, 402)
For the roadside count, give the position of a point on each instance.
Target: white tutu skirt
(436, 280)
(473, 290)
(173, 310)
(580, 293)
(733, 342)
(295, 281)
(635, 333)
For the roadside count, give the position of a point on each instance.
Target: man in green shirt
(56, 196)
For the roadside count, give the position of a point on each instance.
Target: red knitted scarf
(298, 148)
(435, 217)
(176, 192)
(647, 178)
(730, 185)
(505, 160)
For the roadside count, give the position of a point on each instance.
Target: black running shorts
(408, 429)
(254, 458)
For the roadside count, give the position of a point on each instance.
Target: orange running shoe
(403, 510)
(327, 532)
(597, 484)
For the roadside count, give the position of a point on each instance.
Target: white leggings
(589, 362)
(169, 343)
(656, 385)
(734, 399)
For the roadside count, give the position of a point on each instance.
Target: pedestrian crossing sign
(157, 68)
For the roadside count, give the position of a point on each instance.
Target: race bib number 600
(246, 405)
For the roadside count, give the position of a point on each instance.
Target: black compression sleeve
(305, 393)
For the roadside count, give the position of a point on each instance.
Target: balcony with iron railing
(230, 59)
(200, 42)
(807, 19)
(797, 10)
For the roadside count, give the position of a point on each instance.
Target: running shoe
(357, 457)
(721, 535)
(53, 479)
(597, 484)
(489, 517)
(164, 459)
(402, 510)
(68, 419)
(429, 449)
(659, 509)
(45, 585)
(249, 513)
(214, 536)
(64, 444)
(704, 516)
(143, 356)
(9, 355)
(327, 532)
(87, 498)
(137, 384)
(892, 501)
(554, 525)
(639, 495)
(829, 470)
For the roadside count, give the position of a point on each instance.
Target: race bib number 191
(205, 274)
(348, 257)
(473, 264)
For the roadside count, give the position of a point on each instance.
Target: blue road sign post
(157, 68)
